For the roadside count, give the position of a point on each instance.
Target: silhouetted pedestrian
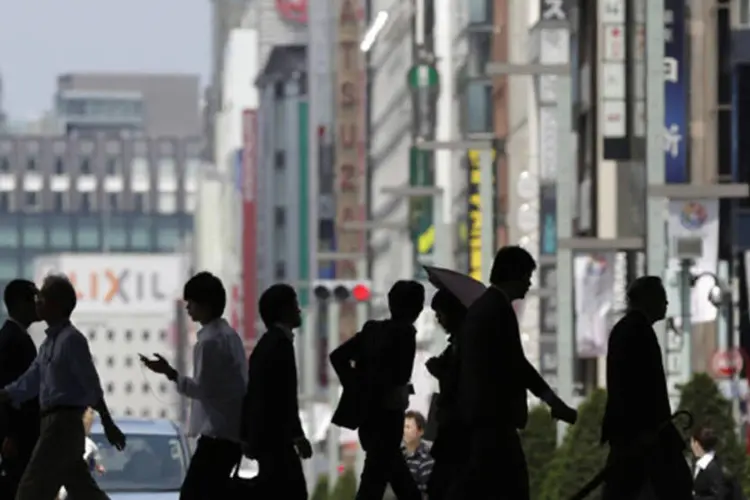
(376, 365)
(19, 427)
(271, 427)
(449, 449)
(711, 480)
(494, 375)
(216, 390)
(66, 382)
(641, 456)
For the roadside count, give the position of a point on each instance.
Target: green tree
(581, 456)
(346, 486)
(539, 440)
(321, 491)
(702, 398)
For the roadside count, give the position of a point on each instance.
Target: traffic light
(342, 290)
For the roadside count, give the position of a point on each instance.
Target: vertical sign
(675, 92)
(249, 226)
(548, 215)
(474, 216)
(349, 184)
(548, 325)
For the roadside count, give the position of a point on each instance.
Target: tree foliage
(702, 398)
(321, 491)
(539, 440)
(346, 486)
(580, 457)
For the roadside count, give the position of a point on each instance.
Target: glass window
(88, 202)
(167, 238)
(32, 200)
(60, 233)
(480, 53)
(59, 201)
(9, 235)
(480, 12)
(87, 237)
(27, 267)
(115, 234)
(140, 233)
(8, 268)
(192, 168)
(479, 107)
(33, 234)
(113, 201)
(113, 166)
(190, 202)
(140, 202)
(59, 166)
(167, 203)
(4, 165)
(167, 168)
(31, 164)
(4, 201)
(85, 166)
(279, 181)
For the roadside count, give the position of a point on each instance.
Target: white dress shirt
(703, 462)
(218, 386)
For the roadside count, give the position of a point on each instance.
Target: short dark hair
(206, 290)
(62, 291)
(511, 263)
(17, 292)
(406, 299)
(643, 289)
(274, 302)
(418, 418)
(706, 437)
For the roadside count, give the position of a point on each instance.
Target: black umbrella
(464, 287)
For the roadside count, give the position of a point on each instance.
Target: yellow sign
(474, 219)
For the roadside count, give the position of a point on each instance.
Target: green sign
(423, 76)
(421, 173)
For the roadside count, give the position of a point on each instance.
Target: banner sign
(548, 220)
(474, 215)
(675, 92)
(548, 326)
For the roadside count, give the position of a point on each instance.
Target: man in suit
(271, 427)
(711, 482)
(19, 427)
(493, 377)
(646, 451)
(375, 367)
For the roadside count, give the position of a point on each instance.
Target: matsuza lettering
(125, 286)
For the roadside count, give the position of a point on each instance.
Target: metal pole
(487, 208)
(310, 379)
(656, 207)
(363, 309)
(566, 190)
(332, 443)
(722, 316)
(733, 322)
(686, 278)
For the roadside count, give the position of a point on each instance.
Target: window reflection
(33, 234)
(167, 238)
(87, 234)
(115, 234)
(479, 107)
(8, 268)
(480, 11)
(140, 234)
(60, 233)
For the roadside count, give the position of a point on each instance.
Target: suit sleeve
(25, 420)
(535, 382)
(342, 358)
(288, 404)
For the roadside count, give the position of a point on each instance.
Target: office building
(93, 195)
(144, 105)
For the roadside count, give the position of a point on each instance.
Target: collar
(703, 461)
(501, 291)
(288, 333)
(18, 323)
(422, 450)
(211, 327)
(54, 330)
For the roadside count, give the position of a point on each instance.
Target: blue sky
(40, 39)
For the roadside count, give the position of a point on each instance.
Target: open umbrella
(464, 287)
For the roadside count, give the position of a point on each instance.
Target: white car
(151, 467)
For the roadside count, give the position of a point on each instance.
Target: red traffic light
(361, 293)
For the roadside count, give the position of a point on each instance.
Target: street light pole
(333, 450)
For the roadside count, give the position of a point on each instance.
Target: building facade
(93, 195)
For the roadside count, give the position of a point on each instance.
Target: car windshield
(148, 463)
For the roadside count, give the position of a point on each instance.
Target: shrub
(346, 486)
(581, 456)
(539, 444)
(321, 491)
(702, 398)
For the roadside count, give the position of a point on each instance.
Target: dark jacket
(444, 368)
(493, 372)
(371, 365)
(270, 416)
(711, 483)
(17, 352)
(637, 396)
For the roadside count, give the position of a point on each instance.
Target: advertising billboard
(133, 284)
(676, 91)
(249, 226)
(349, 158)
(474, 216)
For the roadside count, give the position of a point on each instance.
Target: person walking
(449, 449)
(90, 451)
(711, 480)
(645, 448)
(216, 390)
(416, 451)
(66, 382)
(493, 377)
(271, 428)
(19, 427)
(376, 365)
